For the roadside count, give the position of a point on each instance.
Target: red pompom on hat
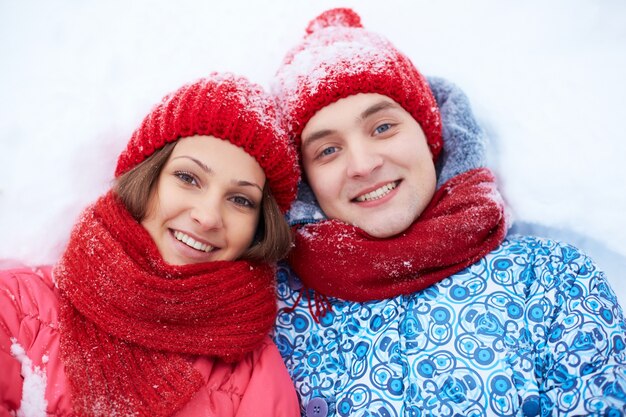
(228, 107)
(339, 58)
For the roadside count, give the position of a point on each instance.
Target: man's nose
(363, 160)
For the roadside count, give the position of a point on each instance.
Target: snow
(351, 56)
(34, 403)
(545, 80)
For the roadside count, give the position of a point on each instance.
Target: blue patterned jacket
(532, 329)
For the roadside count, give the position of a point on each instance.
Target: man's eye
(327, 151)
(383, 128)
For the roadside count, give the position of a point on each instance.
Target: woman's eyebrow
(205, 168)
(244, 183)
(201, 164)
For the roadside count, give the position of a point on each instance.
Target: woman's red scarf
(463, 222)
(131, 324)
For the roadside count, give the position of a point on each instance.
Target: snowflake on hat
(339, 58)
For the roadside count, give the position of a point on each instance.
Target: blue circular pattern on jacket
(533, 329)
(300, 323)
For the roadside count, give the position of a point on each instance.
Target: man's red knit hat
(228, 107)
(339, 58)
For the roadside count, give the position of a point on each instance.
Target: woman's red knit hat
(228, 107)
(339, 58)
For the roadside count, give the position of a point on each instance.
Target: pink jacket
(33, 381)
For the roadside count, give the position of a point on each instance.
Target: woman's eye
(243, 201)
(186, 177)
(382, 128)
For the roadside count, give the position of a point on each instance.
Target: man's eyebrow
(373, 109)
(380, 106)
(309, 140)
(201, 164)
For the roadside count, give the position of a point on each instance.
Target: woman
(163, 299)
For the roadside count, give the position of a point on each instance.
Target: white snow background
(546, 80)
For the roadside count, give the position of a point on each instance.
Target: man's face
(368, 164)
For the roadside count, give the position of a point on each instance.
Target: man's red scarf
(463, 222)
(131, 324)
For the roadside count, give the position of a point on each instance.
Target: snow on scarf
(130, 323)
(463, 222)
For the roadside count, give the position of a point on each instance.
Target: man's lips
(377, 193)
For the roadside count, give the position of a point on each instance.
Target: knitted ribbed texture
(228, 107)
(339, 58)
(464, 221)
(130, 322)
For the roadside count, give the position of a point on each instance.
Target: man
(402, 295)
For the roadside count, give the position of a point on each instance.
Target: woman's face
(206, 203)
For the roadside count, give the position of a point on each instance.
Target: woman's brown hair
(272, 239)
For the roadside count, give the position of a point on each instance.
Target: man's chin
(385, 228)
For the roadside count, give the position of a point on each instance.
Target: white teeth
(378, 193)
(191, 242)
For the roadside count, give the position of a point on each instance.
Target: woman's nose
(207, 214)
